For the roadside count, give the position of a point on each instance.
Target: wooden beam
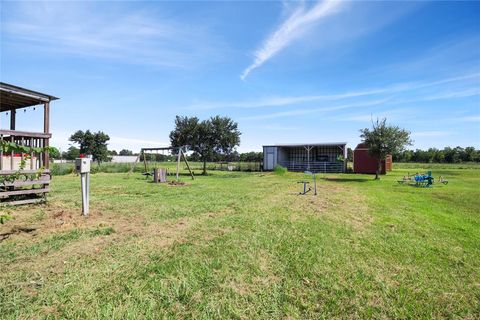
(186, 162)
(26, 134)
(178, 162)
(144, 161)
(12, 119)
(20, 202)
(6, 194)
(25, 183)
(46, 129)
(9, 172)
(46, 117)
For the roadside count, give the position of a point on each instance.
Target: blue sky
(285, 71)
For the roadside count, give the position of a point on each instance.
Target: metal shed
(315, 157)
(364, 163)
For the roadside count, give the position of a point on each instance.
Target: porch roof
(13, 97)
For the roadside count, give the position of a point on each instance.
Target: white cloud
(292, 28)
(390, 89)
(434, 133)
(276, 127)
(474, 118)
(392, 114)
(305, 111)
(119, 34)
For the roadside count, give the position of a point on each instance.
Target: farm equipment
(422, 179)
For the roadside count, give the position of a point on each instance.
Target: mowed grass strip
(245, 245)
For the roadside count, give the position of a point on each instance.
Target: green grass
(60, 169)
(245, 245)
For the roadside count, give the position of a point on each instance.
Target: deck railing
(10, 161)
(30, 171)
(314, 166)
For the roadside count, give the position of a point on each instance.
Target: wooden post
(159, 175)
(22, 155)
(31, 154)
(186, 162)
(46, 129)
(144, 160)
(135, 163)
(1, 154)
(13, 113)
(178, 161)
(11, 154)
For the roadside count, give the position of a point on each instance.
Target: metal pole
(315, 183)
(85, 186)
(88, 191)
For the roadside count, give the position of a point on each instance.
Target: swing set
(153, 153)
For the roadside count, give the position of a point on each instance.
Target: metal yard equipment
(159, 174)
(306, 183)
(422, 179)
(305, 190)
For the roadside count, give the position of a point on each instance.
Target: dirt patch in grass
(80, 236)
(177, 183)
(337, 202)
(16, 230)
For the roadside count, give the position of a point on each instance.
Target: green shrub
(280, 170)
(61, 169)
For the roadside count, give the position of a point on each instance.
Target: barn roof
(13, 97)
(361, 145)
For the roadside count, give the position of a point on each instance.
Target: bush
(280, 170)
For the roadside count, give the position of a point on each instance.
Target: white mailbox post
(82, 165)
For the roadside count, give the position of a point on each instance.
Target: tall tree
(207, 138)
(92, 143)
(383, 140)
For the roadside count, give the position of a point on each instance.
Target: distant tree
(92, 143)
(207, 138)
(112, 153)
(72, 153)
(54, 153)
(125, 152)
(349, 154)
(383, 140)
(251, 157)
(470, 154)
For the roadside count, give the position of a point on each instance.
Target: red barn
(364, 163)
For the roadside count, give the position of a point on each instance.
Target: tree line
(434, 155)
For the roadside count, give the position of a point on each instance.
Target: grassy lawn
(245, 245)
